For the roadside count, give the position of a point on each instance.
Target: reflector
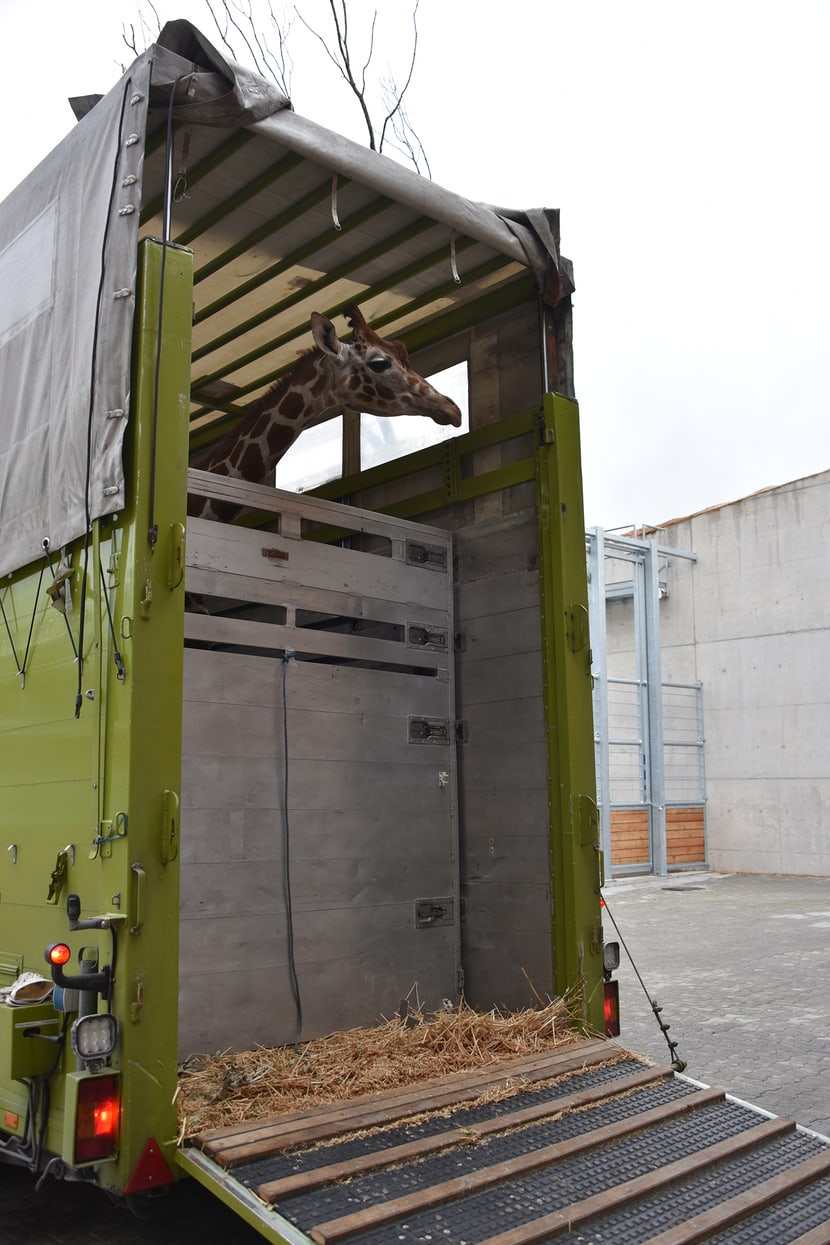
(612, 1009)
(58, 953)
(151, 1171)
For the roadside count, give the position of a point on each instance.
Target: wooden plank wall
(685, 836)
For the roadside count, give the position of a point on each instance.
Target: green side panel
(566, 657)
(88, 799)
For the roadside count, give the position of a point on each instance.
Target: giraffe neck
(251, 449)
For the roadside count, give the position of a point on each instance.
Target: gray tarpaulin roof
(284, 217)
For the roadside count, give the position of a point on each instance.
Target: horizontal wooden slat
(218, 630)
(239, 1143)
(722, 1216)
(473, 1182)
(576, 1213)
(305, 506)
(302, 1182)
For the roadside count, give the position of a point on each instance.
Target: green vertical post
(142, 775)
(566, 659)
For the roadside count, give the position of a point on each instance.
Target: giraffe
(365, 372)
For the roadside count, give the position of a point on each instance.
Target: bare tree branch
(343, 63)
(237, 23)
(399, 94)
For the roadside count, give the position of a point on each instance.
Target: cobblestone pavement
(737, 963)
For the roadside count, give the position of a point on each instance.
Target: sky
(686, 145)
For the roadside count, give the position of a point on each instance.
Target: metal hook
(456, 278)
(335, 219)
(13, 849)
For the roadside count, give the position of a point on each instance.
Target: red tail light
(612, 1009)
(96, 1122)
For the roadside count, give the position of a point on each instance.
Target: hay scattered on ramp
(231, 1088)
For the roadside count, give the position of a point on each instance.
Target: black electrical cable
(286, 858)
(90, 414)
(677, 1063)
(11, 640)
(22, 669)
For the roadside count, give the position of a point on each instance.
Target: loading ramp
(582, 1143)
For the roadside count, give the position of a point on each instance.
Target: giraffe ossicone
(365, 372)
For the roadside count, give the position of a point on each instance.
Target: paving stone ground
(739, 965)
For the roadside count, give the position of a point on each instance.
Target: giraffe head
(372, 374)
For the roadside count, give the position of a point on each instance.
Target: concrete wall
(751, 620)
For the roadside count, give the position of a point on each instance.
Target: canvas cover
(68, 259)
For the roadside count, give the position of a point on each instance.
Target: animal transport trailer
(262, 779)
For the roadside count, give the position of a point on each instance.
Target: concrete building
(748, 618)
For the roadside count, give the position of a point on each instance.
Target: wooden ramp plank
(816, 1236)
(383, 1108)
(330, 1173)
(587, 1048)
(747, 1203)
(474, 1182)
(577, 1213)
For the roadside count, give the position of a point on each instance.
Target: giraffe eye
(379, 365)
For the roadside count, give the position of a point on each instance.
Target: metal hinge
(432, 912)
(577, 625)
(433, 557)
(169, 826)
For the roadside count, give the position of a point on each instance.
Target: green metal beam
(566, 658)
(231, 145)
(442, 291)
(269, 227)
(332, 275)
(273, 173)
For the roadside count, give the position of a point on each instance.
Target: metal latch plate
(431, 638)
(433, 557)
(432, 912)
(429, 730)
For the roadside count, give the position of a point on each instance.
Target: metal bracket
(57, 879)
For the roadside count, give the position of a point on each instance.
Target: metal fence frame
(644, 589)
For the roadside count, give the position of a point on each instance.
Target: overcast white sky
(687, 147)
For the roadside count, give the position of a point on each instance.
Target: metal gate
(319, 820)
(648, 732)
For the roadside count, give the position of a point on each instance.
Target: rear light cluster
(97, 1119)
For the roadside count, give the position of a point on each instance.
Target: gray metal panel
(503, 767)
(371, 816)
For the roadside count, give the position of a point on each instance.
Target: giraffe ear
(325, 335)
